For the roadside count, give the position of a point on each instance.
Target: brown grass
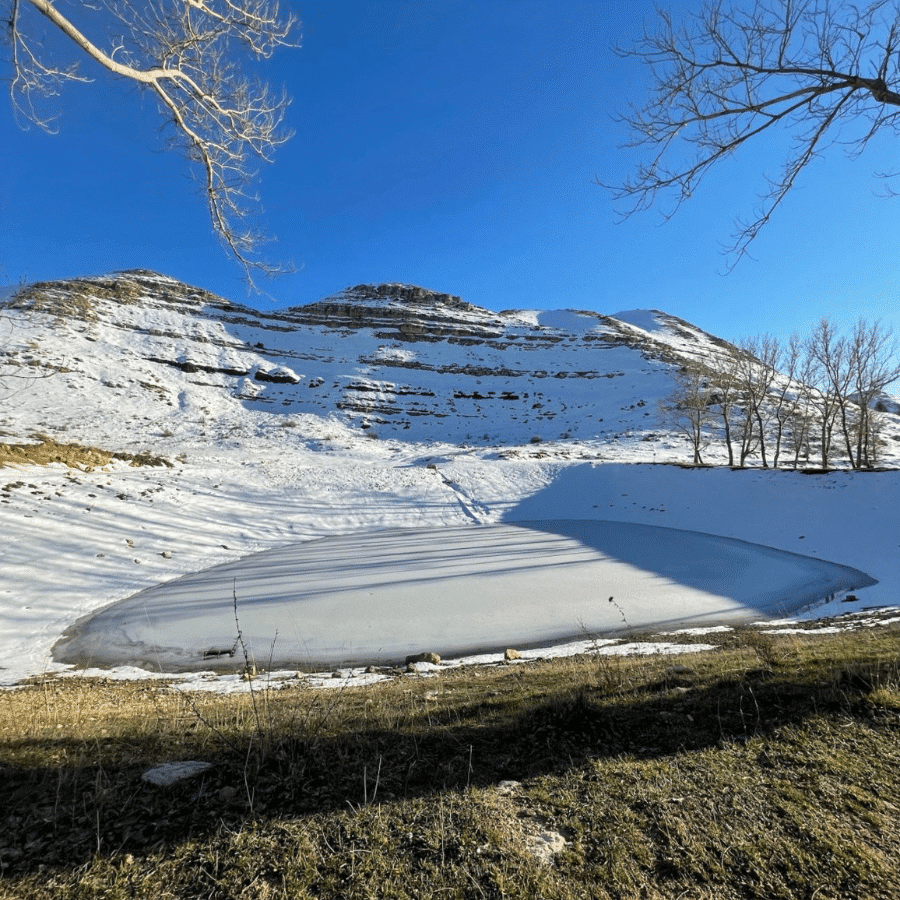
(47, 451)
(767, 768)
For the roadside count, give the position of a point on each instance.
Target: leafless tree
(849, 372)
(758, 368)
(797, 430)
(874, 364)
(728, 74)
(725, 397)
(190, 54)
(688, 406)
(748, 437)
(830, 373)
(787, 394)
(771, 396)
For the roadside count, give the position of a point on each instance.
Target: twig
(621, 612)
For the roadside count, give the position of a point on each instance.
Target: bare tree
(849, 372)
(687, 407)
(797, 430)
(727, 75)
(830, 373)
(189, 54)
(786, 394)
(874, 364)
(725, 396)
(745, 429)
(759, 358)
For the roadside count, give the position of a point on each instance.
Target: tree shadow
(62, 817)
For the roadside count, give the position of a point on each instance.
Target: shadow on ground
(448, 736)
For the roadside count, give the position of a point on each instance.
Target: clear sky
(455, 144)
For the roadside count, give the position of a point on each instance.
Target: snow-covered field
(374, 549)
(78, 542)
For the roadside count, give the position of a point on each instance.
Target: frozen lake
(375, 597)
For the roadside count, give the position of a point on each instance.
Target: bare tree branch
(729, 75)
(190, 54)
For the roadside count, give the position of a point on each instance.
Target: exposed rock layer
(381, 356)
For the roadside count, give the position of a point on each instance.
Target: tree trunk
(778, 432)
(845, 431)
(728, 442)
(762, 439)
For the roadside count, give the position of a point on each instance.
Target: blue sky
(455, 145)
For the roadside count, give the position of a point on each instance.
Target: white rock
(545, 845)
(172, 772)
(508, 787)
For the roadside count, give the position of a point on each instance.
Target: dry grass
(46, 451)
(77, 298)
(768, 768)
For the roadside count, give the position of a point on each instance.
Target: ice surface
(377, 596)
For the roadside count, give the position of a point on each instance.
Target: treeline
(785, 403)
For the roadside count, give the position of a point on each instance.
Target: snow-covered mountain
(382, 407)
(144, 358)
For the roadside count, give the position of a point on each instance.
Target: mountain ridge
(144, 360)
(390, 357)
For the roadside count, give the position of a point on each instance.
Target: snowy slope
(157, 357)
(380, 407)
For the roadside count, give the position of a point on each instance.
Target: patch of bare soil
(75, 456)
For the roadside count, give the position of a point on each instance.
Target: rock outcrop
(402, 312)
(391, 359)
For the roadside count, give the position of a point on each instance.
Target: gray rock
(420, 668)
(171, 773)
(679, 670)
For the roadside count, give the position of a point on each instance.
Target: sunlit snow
(448, 533)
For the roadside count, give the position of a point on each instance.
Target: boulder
(171, 773)
(432, 658)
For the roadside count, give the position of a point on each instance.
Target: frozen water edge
(68, 557)
(374, 597)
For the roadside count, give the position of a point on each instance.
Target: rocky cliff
(391, 359)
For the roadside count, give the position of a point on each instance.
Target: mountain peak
(402, 312)
(78, 298)
(403, 293)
